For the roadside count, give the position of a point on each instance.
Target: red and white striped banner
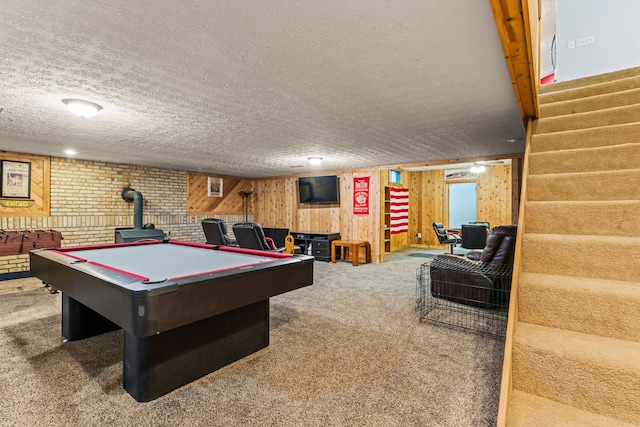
(399, 210)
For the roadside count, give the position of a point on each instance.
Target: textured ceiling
(254, 88)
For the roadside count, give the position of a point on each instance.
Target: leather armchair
(483, 283)
(251, 236)
(215, 231)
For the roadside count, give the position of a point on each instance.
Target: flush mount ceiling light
(82, 108)
(476, 168)
(70, 152)
(315, 160)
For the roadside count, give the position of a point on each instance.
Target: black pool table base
(158, 364)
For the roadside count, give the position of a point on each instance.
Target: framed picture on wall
(215, 187)
(16, 179)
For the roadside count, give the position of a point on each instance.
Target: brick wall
(86, 205)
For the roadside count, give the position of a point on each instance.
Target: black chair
(278, 235)
(474, 236)
(251, 236)
(485, 223)
(446, 238)
(215, 231)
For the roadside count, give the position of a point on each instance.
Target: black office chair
(446, 238)
(474, 236)
(215, 231)
(251, 236)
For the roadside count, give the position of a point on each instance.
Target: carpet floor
(347, 351)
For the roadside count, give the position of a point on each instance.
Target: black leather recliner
(483, 283)
(215, 231)
(251, 236)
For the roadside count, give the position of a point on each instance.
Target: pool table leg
(157, 364)
(79, 321)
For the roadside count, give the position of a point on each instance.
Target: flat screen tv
(319, 189)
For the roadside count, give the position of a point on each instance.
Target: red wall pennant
(361, 195)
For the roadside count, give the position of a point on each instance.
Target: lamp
(245, 202)
(314, 160)
(476, 168)
(82, 108)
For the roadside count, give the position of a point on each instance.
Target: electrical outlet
(419, 235)
(585, 40)
(571, 44)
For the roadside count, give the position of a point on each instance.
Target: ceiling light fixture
(70, 152)
(476, 168)
(315, 160)
(82, 108)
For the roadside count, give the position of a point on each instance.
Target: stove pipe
(131, 195)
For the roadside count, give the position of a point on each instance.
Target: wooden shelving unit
(386, 224)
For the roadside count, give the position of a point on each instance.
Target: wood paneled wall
(276, 205)
(231, 202)
(428, 198)
(426, 205)
(493, 190)
(40, 185)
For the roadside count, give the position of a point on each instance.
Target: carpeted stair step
(600, 185)
(586, 138)
(581, 92)
(597, 257)
(591, 103)
(605, 218)
(591, 119)
(528, 410)
(588, 372)
(608, 308)
(589, 81)
(611, 157)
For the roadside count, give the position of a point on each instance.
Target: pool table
(186, 309)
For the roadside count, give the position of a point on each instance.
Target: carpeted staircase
(576, 348)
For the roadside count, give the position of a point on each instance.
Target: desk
(186, 309)
(346, 245)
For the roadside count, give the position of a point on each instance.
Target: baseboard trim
(15, 275)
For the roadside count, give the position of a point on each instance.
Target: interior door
(462, 203)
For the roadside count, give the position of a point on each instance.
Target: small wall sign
(215, 187)
(16, 179)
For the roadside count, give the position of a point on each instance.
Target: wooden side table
(353, 247)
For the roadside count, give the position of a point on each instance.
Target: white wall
(616, 27)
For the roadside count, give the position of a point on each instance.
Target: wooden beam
(519, 37)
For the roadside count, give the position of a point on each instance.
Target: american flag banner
(399, 200)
